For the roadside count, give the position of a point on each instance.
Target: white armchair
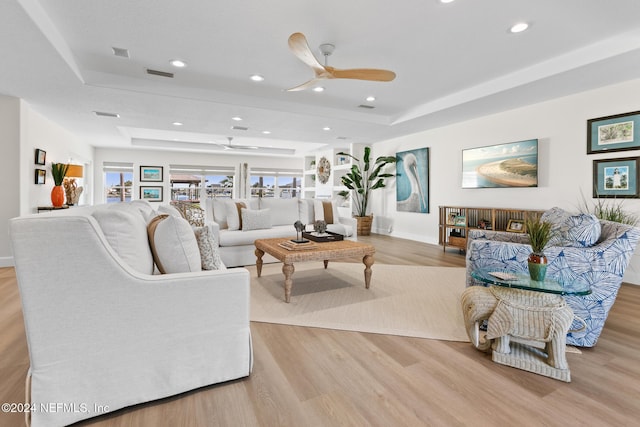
(103, 336)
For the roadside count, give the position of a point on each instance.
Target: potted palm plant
(58, 171)
(539, 235)
(362, 178)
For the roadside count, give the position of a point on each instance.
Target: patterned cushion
(209, 251)
(576, 231)
(255, 219)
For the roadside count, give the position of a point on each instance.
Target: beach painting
(514, 164)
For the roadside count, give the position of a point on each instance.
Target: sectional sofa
(237, 223)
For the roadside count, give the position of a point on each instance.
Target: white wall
(36, 131)
(9, 170)
(166, 158)
(564, 168)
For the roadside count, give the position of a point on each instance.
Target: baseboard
(6, 261)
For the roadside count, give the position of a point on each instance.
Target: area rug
(411, 301)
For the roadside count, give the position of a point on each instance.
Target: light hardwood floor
(316, 377)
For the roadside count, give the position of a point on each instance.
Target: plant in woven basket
(539, 236)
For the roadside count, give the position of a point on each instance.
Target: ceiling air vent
(370, 107)
(118, 51)
(103, 114)
(341, 137)
(159, 73)
(239, 128)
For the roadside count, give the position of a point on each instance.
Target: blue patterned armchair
(598, 258)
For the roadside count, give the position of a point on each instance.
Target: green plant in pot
(58, 171)
(539, 235)
(364, 177)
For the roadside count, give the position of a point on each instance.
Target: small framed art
(515, 226)
(40, 176)
(152, 194)
(615, 178)
(613, 133)
(150, 173)
(460, 220)
(41, 157)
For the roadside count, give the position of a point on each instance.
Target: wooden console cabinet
(456, 221)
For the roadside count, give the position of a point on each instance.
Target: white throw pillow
(305, 211)
(126, 232)
(174, 245)
(169, 210)
(283, 211)
(233, 214)
(209, 250)
(256, 219)
(319, 211)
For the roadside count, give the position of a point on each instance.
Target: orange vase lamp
(57, 196)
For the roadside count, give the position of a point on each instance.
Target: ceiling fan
(230, 146)
(300, 48)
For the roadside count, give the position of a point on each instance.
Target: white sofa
(104, 332)
(236, 243)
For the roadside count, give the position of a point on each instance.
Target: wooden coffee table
(323, 251)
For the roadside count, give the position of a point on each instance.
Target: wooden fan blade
(300, 48)
(363, 74)
(305, 85)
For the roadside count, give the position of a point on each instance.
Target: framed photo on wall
(613, 133)
(615, 178)
(151, 174)
(152, 194)
(41, 157)
(40, 176)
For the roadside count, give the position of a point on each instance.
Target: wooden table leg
(288, 270)
(368, 262)
(259, 253)
(326, 263)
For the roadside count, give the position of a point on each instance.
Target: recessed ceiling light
(519, 27)
(318, 89)
(177, 124)
(178, 63)
(256, 78)
(446, 1)
(326, 128)
(236, 118)
(266, 132)
(371, 98)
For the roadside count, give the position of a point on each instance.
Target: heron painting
(412, 181)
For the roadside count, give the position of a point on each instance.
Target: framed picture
(412, 181)
(514, 164)
(615, 178)
(613, 133)
(41, 176)
(41, 157)
(152, 194)
(150, 173)
(515, 226)
(460, 220)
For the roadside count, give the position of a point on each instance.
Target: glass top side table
(524, 282)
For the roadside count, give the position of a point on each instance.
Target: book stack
(293, 246)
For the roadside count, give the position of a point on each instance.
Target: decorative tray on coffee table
(327, 236)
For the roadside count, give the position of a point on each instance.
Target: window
(118, 179)
(276, 183)
(192, 183)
